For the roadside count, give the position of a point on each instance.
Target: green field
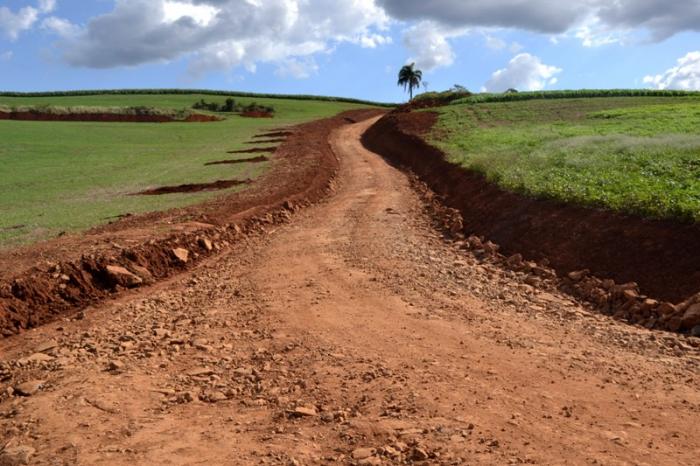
(638, 155)
(69, 176)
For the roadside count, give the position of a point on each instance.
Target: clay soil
(104, 117)
(663, 257)
(42, 282)
(194, 188)
(351, 332)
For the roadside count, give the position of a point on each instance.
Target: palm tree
(410, 78)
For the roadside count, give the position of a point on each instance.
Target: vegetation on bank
(193, 92)
(639, 155)
(70, 176)
(512, 95)
(231, 106)
(176, 114)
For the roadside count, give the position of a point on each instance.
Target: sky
(351, 48)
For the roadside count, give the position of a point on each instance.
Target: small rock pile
(621, 301)
(625, 302)
(57, 288)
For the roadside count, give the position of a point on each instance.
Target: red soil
(663, 257)
(42, 282)
(104, 117)
(194, 188)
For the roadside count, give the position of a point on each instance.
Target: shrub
(231, 106)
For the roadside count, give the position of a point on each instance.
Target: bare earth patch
(353, 334)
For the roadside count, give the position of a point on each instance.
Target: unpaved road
(354, 334)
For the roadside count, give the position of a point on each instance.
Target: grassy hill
(635, 154)
(68, 176)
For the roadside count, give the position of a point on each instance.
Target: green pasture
(69, 176)
(639, 155)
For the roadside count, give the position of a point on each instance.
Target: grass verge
(638, 155)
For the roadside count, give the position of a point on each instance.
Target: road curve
(355, 334)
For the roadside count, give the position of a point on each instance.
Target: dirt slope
(660, 257)
(355, 334)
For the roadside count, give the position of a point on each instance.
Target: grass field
(69, 176)
(638, 155)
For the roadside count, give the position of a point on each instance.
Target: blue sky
(348, 47)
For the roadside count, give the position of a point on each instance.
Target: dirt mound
(194, 188)
(254, 150)
(652, 257)
(258, 159)
(105, 117)
(41, 282)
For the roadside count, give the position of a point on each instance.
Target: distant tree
(410, 78)
(458, 88)
(512, 91)
(426, 84)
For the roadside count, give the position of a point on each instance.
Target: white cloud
(223, 34)
(592, 32)
(524, 72)
(201, 14)
(297, 69)
(496, 43)
(12, 24)
(47, 6)
(60, 27)
(6, 56)
(685, 76)
(371, 41)
(428, 43)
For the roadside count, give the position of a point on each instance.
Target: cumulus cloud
(297, 68)
(428, 43)
(524, 72)
(661, 19)
(47, 6)
(60, 27)
(496, 43)
(220, 34)
(12, 23)
(685, 76)
(537, 15)
(593, 33)
(371, 41)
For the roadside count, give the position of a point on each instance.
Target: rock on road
(355, 334)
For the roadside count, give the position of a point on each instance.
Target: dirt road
(354, 334)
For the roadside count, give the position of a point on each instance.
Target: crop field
(68, 176)
(638, 155)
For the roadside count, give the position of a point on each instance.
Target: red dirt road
(356, 335)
